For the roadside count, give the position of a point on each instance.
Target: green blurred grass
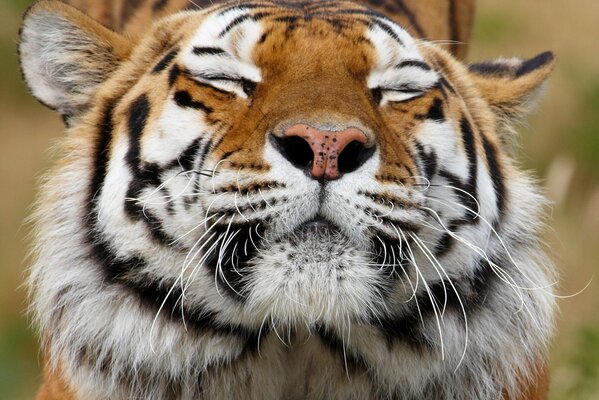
(584, 365)
(586, 147)
(565, 129)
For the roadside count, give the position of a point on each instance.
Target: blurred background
(560, 143)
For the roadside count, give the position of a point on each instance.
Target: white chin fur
(313, 277)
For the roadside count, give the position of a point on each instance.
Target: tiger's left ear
(511, 86)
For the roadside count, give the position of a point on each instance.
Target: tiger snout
(324, 154)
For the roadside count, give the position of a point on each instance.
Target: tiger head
(276, 161)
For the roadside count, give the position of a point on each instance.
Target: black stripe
(535, 63)
(173, 75)
(446, 242)
(466, 200)
(428, 161)
(138, 114)
(385, 27)
(188, 158)
(473, 290)
(445, 84)
(204, 153)
(150, 175)
(242, 18)
(435, 111)
(136, 211)
(496, 174)
(466, 191)
(165, 62)
(287, 19)
(413, 63)
(142, 175)
(154, 293)
(234, 269)
(183, 99)
(385, 220)
(493, 68)
(201, 51)
(101, 152)
(470, 147)
(391, 269)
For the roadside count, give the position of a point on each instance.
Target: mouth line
(319, 224)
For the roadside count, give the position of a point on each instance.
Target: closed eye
(399, 94)
(241, 86)
(405, 81)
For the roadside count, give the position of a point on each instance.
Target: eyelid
(404, 92)
(211, 77)
(396, 96)
(405, 89)
(400, 94)
(246, 85)
(412, 87)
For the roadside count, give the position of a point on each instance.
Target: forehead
(299, 32)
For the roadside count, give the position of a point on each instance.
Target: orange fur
(54, 386)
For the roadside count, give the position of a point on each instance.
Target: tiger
(264, 199)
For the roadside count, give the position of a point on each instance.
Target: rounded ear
(511, 86)
(65, 55)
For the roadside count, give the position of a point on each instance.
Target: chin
(314, 275)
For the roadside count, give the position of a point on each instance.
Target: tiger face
(268, 165)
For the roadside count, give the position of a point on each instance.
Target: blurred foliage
(586, 147)
(493, 28)
(18, 359)
(585, 365)
(566, 127)
(11, 84)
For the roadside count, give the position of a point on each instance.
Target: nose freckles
(327, 147)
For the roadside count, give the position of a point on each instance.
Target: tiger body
(206, 236)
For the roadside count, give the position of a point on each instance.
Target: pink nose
(330, 148)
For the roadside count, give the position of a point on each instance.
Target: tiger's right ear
(65, 55)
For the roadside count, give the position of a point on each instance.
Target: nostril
(353, 156)
(295, 149)
(323, 154)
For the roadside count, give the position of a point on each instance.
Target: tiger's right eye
(399, 95)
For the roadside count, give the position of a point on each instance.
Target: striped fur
(175, 257)
(447, 21)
